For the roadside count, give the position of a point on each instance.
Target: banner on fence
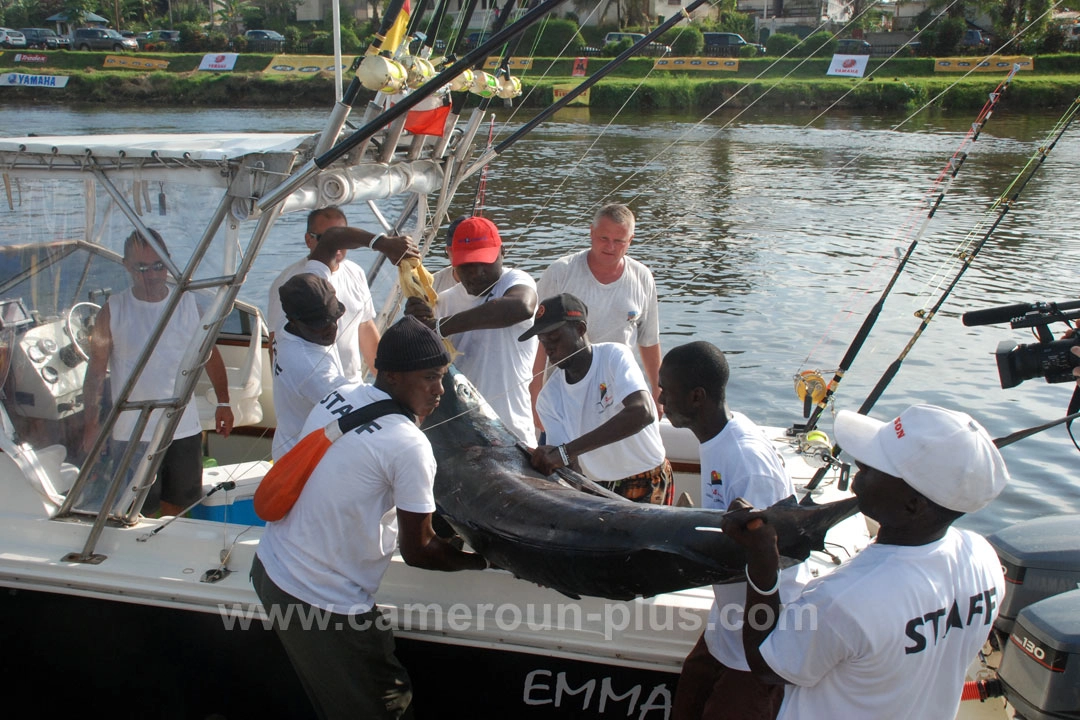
(991, 63)
(136, 63)
(696, 63)
(24, 80)
(302, 64)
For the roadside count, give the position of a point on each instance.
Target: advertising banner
(993, 63)
(123, 61)
(31, 58)
(696, 63)
(515, 63)
(580, 64)
(560, 92)
(302, 65)
(22, 80)
(218, 61)
(848, 65)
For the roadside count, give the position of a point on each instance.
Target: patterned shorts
(656, 486)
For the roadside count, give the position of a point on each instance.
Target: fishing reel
(815, 448)
(382, 74)
(810, 387)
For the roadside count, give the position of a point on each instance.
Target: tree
(231, 13)
(77, 10)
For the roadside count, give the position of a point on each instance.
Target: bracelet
(563, 455)
(759, 591)
(224, 404)
(438, 327)
(376, 239)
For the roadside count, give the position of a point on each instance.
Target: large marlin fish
(558, 536)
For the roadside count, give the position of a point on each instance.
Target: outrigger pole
(1001, 206)
(316, 165)
(933, 199)
(683, 14)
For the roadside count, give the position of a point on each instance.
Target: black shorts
(179, 479)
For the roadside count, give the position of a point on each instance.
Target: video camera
(1048, 358)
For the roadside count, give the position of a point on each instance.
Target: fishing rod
(1001, 207)
(933, 199)
(414, 17)
(364, 133)
(489, 155)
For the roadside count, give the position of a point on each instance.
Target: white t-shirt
(494, 361)
(741, 461)
(568, 411)
(893, 631)
(131, 321)
(351, 288)
(443, 279)
(624, 311)
(332, 549)
(304, 373)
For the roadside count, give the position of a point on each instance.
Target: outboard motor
(1038, 626)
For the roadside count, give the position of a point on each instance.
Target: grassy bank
(770, 84)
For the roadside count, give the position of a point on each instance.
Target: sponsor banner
(31, 58)
(560, 92)
(218, 61)
(22, 80)
(579, 67)
(123, 61)
(993, 63)
(515, 63)
(302, 65)
(848, 65)
(696, 63)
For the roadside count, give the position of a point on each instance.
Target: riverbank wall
(767, 83)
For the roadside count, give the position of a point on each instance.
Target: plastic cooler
(236, 506)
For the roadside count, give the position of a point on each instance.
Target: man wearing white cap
(892, 632)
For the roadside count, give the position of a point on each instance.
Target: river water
(772, 238)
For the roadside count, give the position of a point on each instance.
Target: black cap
(554, 312)
(410, 345)
(309, 299)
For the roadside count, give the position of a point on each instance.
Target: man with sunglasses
(306, 364)
(119, 336)
(358, 337)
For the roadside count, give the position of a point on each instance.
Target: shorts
(656, 486)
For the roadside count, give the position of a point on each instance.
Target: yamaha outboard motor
(1038, 626)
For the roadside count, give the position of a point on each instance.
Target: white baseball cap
(943, 454)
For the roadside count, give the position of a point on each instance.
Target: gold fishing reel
(509, 87)
(463, 81)
(810, 384)
(418, 70)
(816, 449)
(382, 74)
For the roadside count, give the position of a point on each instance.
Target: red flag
(427, 122)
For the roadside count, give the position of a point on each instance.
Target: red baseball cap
(476, 240)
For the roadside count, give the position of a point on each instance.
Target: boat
(159, 612)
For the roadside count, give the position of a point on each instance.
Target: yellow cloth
(415, 281)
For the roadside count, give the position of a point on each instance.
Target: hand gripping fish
(578, 543)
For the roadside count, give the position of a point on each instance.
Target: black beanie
(410, 345)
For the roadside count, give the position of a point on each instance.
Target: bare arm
(219, 378)
(650, 362)
(422, 548)
(517, 305)
(94, 383)
(636, 414)
(369, 343)
(749, 529)
(394, 247)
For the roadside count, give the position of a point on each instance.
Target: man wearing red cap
(893, 630)
(483, 315)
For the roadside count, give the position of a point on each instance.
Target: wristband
(564, 455)
(224, 404)
(759, 591)
(438, 327)
(376, 239)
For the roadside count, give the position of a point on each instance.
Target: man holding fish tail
(895, 628)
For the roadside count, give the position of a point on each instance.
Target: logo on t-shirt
(714, 478)
(631, 316)
(605, 397)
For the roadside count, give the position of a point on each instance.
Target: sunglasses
(154, 267)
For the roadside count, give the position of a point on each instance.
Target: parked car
(11, 38)
(45, 39)
(265, 40)
(973, 39)
(725, 44)
(653, 48)
(852, 46)
(158, 38)
(473, 39)
(102, 39)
